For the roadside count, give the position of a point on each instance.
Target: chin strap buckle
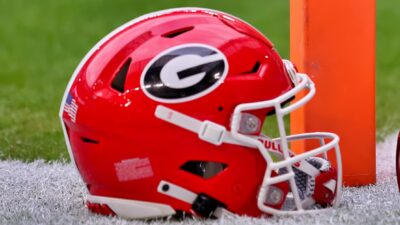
(212, 132)
(207, 131)
(207, 206)
(202, 204)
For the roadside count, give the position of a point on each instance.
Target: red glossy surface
(126, 128)
(322, 195)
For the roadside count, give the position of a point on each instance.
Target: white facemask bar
(304, 83)
(217, 134)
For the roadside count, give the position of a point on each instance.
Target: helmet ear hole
(204, 169)
(118, 82)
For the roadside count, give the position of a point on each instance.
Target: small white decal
(133, 169)
(71, 108)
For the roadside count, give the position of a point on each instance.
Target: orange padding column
(334, 43)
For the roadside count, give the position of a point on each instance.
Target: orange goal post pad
(334, 43)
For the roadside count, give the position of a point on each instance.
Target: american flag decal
(70, 107)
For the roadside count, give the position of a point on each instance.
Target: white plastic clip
(212, 132)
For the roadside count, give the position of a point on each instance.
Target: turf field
(51, 193)
(42, 41)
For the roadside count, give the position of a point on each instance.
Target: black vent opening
(254, 69)
(118, 82)
(90, 141)
(204, 169)
(177, 32)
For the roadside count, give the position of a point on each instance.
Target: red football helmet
(165, 114)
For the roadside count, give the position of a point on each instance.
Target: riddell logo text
(273, 146)
(270, 145)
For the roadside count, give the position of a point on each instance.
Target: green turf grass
(388, 67)
(42, 41)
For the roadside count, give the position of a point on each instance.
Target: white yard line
(41, 193)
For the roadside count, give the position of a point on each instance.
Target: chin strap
(207, 131)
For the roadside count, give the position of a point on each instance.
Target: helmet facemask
(300, 172)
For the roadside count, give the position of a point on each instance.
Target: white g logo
(184, 73)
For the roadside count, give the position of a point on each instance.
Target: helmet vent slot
(118, 82)
(177, 32)
(204, 169)
(90, 141)
(254, 69)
